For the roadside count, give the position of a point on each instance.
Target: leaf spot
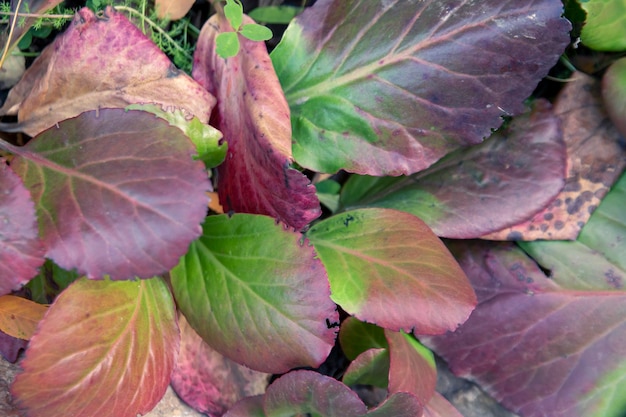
(347, 220)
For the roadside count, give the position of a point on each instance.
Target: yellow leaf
(19, 317)
(172, 9)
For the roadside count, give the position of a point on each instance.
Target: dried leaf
(100, 61)
(19, 317)
(254, 117)
(595, 159)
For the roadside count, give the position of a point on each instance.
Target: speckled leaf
(481, 189)
(257, 294)
(549, 345)
(254, 117)
(411, 368)
(208, 381)
(117, 193)
(387, 267)
(605, 24)
(613, 93)
(389, 87)
(104, 349)
(19, 316)
(595, 159)
(21, 251)
(100, 61)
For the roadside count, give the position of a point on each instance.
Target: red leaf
(104, 349)
(254, 118)
(411, 367)
(100, 61)
(21, 252)
(208, 381)
(117, 193)
(438, 406)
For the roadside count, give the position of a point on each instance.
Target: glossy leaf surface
(386, 267)
(256, 294)
(254, 117)
(21, 252)
(104, 349)
(19, 317)
(389, 87)
(411, 368)
(117, 193)
(595, 159)
(98, 62)
(481, 189)
(206, 380)
(549, 345)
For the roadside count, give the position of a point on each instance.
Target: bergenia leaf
(100, 61)
(104, 349)
(369, 368)
(257, 294)
(309, 392)
(482, 189)
(254, 118)
(412, 367)
(19, 317)
(21, 251)
(10, 347)
(549, 345)
(441, 75)
(356, 337)
(595, 159)
(248, 407)
(117, 193)
(399, 404)
(208, 381)
(605, 24)
(387, 267)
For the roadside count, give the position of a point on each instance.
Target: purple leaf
(116, 192)
(310, 392)
(548, 345)
(474, 191)
(389, 87)
(206, 380)
(256, 294)
(21, 251)
(104, 349)
(10, 347)
(254, 117)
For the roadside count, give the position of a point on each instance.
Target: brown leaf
(19, 317)
(100, 61)
(172, 9)
(208, 381)
(595, 161)
(254, 117)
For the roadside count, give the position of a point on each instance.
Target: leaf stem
(6, 47)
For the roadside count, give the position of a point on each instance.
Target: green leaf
(275, 14)
(388, 268)
(256, 32)
(369, 368)
(233, 10)
(227, 44)
(256, 294)
(605, 26)
(104, 349)
(208, 140)
(614, 94)
(356, 337)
